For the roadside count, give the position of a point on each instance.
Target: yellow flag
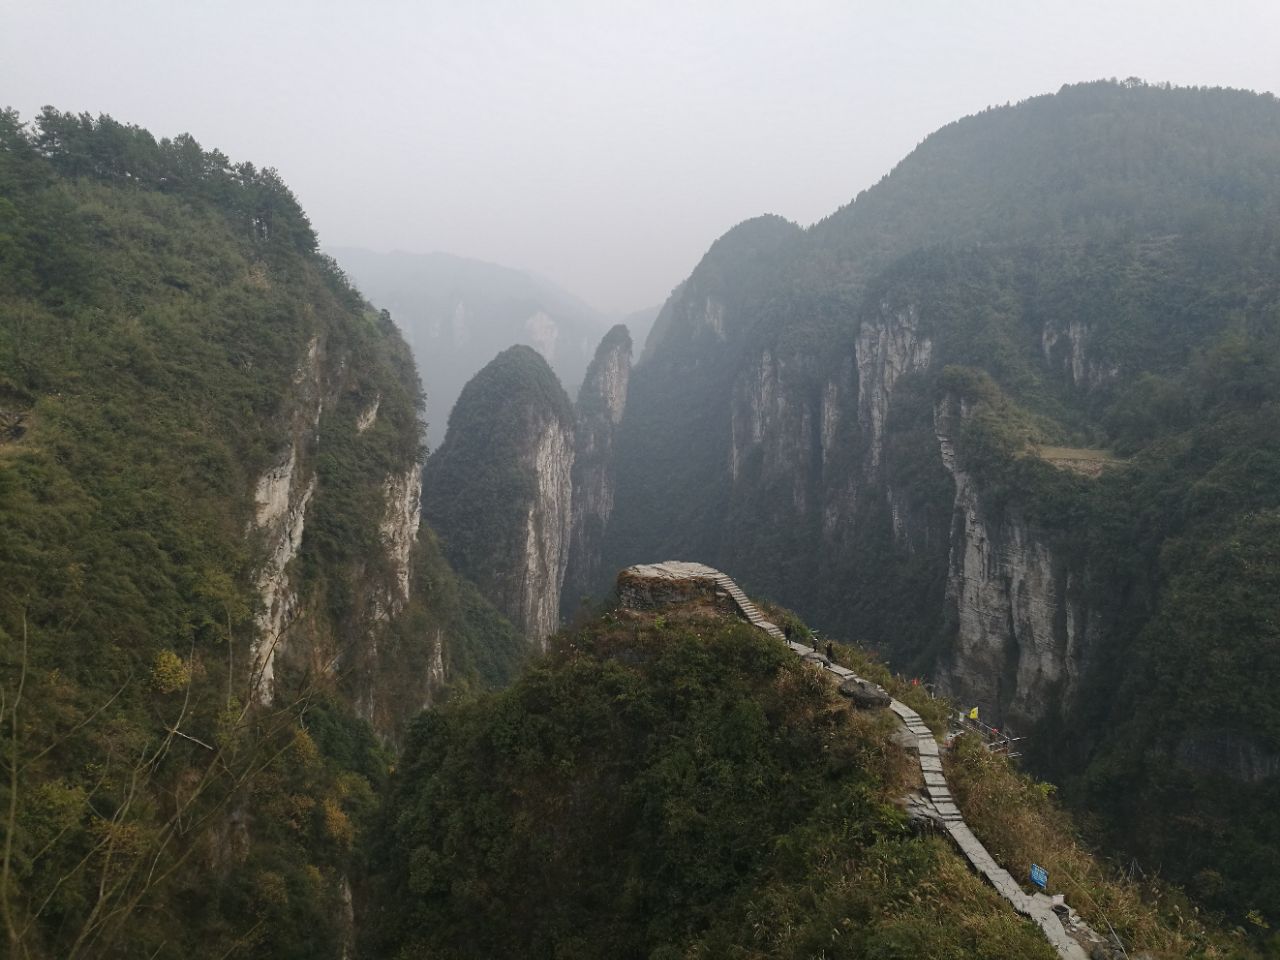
(973, 714)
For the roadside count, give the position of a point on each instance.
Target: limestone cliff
(838, 483)
(499, 489)
(1022, 627)
(601, 403)
(350, 462)
(353, 598)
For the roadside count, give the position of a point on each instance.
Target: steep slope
(601, 404)
(215, 585)
(499, 489)
(1010, 417)
(457, 313)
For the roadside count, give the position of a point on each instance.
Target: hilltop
(669, 781)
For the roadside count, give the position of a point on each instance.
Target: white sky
(606, 143)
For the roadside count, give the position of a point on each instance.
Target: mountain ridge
(851, 421)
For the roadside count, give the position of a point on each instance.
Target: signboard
(1039, 876)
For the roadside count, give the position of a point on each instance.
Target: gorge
(1007, 421)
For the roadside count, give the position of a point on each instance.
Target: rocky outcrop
(368, 416)
(281, 516)
(864, 694)
(499, 490)
(601, 403)
(772, 415)
(648, 586)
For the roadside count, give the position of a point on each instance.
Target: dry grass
(1020, 823)
(1087, 461)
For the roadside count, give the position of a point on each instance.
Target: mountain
(1010, 418)
(670, 781)
(219, 608)
(457, 313)
(499, 489)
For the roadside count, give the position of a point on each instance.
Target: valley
(280, 678)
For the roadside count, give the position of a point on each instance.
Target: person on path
(786, 631)
(828, 649)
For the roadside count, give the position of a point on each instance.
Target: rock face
(889, 345)
(324, 411)
(399, 530)
(798, 462)
(533, 594)
(820, 463)
(601, 404)
(499, 489)
(281, 498)
(352, 598)
(1022, 629)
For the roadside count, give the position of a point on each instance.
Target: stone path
(1037, 907)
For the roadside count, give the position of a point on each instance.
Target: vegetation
(480, 482)
(1020, 822)
(678, 784)
(666, 787)
(156, 305)
(1092, 270)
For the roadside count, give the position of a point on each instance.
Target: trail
(1038, 907)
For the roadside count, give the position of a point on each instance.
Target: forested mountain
(499, 489)
(217, 607)
(672, 782)
(457, 313)
(1011, 417)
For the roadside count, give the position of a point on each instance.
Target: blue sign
(1039, 876)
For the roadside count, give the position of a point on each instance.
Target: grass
(1019, 821)
(1086, 461)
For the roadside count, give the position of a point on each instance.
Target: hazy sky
(602, 144)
